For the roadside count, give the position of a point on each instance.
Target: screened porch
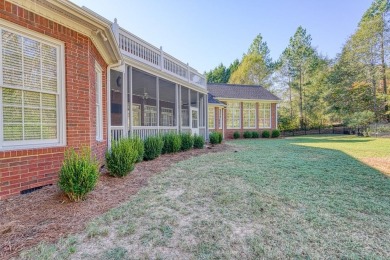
(147, 105)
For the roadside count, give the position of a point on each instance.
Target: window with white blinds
(264, 115)
(249, 113)
(233, 115)
(30, 95)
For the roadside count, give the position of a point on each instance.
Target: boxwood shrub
(247, 134)
(122, 157)
(172, 143)
(138, 145)
(153, 147)
(79, 174)
(187, 141)
(265, 134)
(198, 142)
(275, 133)
(255, 134)
(214, 138)
(236, 135)
(220, 137)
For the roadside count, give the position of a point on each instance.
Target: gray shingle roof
(240, 92)
(212, 100)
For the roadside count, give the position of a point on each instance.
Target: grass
(307, 197)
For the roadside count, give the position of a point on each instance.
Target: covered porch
(145, 105)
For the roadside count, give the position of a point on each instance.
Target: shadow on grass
(330, 139)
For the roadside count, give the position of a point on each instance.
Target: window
(220, 118)
(136, 115)
(233, 115)
(166, 116)
(249, 114)
(264, 115)
(150, 115)
(211, 117)
(30, 91)
(99, 102)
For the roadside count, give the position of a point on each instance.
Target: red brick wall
(25, 169)
(229, 132)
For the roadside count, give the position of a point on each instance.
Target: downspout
(109, 67)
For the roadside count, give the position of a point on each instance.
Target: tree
(221, 74)
(299, 55)
(256, 65)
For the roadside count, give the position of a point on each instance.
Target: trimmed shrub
(138, 145)
(265, 134)
(153, 147)
(247, 134)
(220, 137)
(236, 135)
(122, 157)
(275, 133)
(187, 141)
(198, 142)
(214, 138)
(255, 135)
(172, 143)
(79, 174)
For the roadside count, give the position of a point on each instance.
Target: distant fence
(318, 131)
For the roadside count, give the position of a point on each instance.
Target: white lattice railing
(142, 51)
(117, 132)
(145, 131)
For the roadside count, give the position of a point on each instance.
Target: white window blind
(166, 116)
(29, 91)
(211, 117)
(150, 115)
(249, 113)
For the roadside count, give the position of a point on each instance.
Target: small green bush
(247, 134)
(79, 174)
(214, 138)
(153, 147)
(255, 135)
(138, 145)
(172, 143)
(122, 157)
(275, 133)
(220, 137)
(198, 142)
(265, 134)
(236, 135)
(187, 141)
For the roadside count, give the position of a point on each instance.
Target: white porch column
(158, 103)
(177, 107)
(130, 92)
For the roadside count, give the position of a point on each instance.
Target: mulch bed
(47, 214)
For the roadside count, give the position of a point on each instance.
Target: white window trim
(233, 117)
(61, 107)
(99, 102)
(245, 110)
(138, 106)
(169, 113)
(220, 118)
(153, 111)
(262, 117)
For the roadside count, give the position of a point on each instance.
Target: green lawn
(306, 197)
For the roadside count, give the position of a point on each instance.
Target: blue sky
(206, 33)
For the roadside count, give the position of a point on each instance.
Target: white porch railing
(145, 131)
(117, 132)
(142, 51)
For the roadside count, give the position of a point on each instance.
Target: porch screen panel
(185, 109)
(144, 98)
(116, 98)
(167, 103)
(194, 98)
(202, 112)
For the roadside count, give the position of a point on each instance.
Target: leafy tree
(221, 74)
(256, 65)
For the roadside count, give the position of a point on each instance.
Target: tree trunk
(300, 99)
(384, 80)
(291, 106)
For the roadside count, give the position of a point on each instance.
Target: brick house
(53, 88)
(240, 108)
